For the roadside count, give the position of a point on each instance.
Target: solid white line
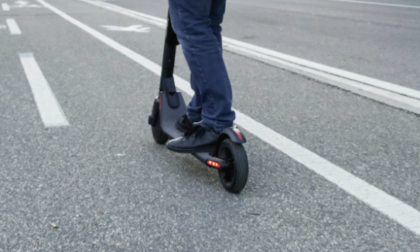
(13, 27)
(382, 4)
(398, 96)
(327, 69)
(390, 206)
(50, 110)
(5, 7)
(129, 13)
(378, 94)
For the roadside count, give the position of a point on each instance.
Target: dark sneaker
(197, 139)
(184, 124)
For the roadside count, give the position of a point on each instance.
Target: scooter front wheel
(158, 134)
(235, 176)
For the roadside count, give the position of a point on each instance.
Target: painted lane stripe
(382, 4)
(5, 7)
(327, 69)
(378, 94)
(388, 205)
(252, 48)
(159, 22)
(382, 91)
(49, 109)
(13, 27)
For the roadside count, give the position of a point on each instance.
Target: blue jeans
(197, 26)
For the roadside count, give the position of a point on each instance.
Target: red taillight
(160, 103)
(238, 133)
(213, 164)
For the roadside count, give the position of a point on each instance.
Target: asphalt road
(373, 40)
(109, 187)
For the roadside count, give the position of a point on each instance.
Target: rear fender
(233, 133)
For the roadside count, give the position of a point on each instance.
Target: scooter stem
(169, 52)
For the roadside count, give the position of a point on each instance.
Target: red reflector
(238, 133)
(214, 164)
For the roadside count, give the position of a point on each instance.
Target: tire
(158, 134)
(234, 177)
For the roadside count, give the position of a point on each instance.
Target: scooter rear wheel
(234, 177)
(158, 134)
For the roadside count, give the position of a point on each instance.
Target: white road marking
(13, 27)
(379, 94)
(3, 27)
(25, 4)
(5, 7)
(382, 4)
(129, 13)
(388, 205)
(132, 28)
(325, 69)
(49, 109)
(385, 92)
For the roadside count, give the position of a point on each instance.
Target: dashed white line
(13, 27)
(5, 7)
(390, 206)
(49, 109)
(382, 4)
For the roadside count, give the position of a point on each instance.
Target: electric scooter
(229, 157)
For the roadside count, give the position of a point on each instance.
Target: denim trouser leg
(197, 25)
(194, 108)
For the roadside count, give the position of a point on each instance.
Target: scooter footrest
(169, 115)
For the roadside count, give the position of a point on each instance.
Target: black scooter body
(169, 106)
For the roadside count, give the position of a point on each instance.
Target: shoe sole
(192, 150)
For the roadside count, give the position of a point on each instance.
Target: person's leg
(218, 8)
(192, 22)
(194, 108)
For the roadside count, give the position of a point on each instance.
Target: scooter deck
(169, 115)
